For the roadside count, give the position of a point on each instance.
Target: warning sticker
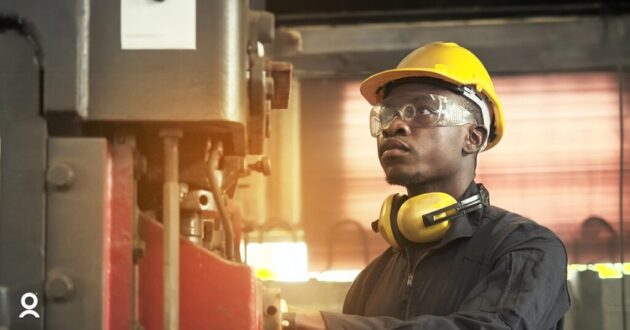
(155, 24)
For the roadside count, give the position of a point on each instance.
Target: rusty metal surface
(118, 307)
(216, 294)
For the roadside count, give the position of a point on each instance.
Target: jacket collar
(466, 225)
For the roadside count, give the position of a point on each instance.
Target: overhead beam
(505, 45)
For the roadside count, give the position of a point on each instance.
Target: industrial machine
(124, 129)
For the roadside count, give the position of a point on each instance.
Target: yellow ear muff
(410, 221)
(384, 223)
(423, 218)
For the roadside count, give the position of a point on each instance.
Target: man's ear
(475, 137)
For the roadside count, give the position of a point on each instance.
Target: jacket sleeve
(526, 288)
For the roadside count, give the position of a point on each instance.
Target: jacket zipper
(410, 279)
(412, 271)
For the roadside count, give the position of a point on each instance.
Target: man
(468, 265)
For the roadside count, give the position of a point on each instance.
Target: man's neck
(455, 186)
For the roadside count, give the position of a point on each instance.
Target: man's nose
(397, 127)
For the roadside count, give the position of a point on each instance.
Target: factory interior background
(563, 161)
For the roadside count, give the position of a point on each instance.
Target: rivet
(60, 176)
(59, 286)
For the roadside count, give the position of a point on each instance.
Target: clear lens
(418, 111)
(456, 115)
(375, 126)
(408, 112)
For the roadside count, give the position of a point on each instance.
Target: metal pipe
(213, 161)
(170, 219)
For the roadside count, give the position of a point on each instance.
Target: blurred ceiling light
(604, 270)
(279, 261)
(345, 275)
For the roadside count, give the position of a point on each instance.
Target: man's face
(419, 155)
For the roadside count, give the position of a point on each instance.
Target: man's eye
(425, 111)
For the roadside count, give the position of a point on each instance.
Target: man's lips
(394, 153)
(393, 147)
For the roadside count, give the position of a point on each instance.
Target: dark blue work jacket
(492, 270)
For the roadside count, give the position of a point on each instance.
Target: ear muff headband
(453, 211)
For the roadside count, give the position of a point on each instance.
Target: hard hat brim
(371, 89)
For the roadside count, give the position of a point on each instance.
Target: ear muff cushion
(393, 218)
(384, 221)
(409, 217)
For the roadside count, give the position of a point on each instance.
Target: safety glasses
(417, 111)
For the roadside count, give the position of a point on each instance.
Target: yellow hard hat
(446, 61)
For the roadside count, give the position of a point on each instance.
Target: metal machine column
(23, 151)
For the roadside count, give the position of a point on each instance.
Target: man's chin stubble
(399, 179)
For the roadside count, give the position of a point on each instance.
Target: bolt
(60, 286)
(263, 166)
(60, 176)
(271, 310)
(139, 248)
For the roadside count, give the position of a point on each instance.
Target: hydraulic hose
(215, 154)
